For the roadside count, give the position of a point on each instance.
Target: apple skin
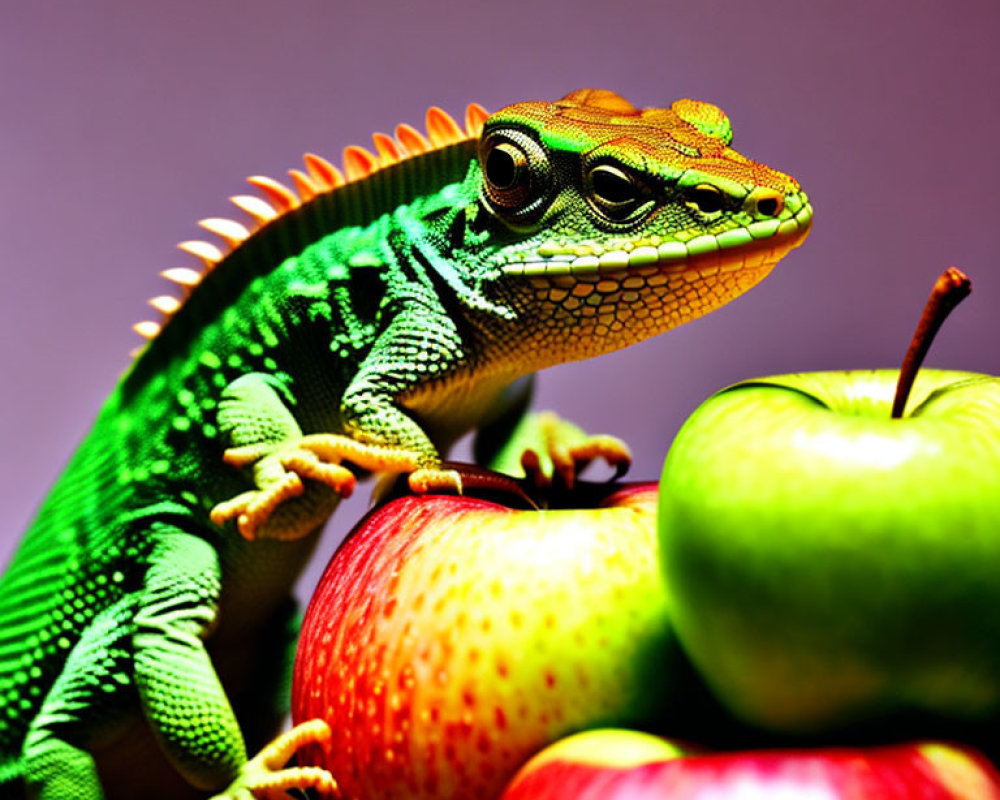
(829, 565)
(450, 638)
(625, 765)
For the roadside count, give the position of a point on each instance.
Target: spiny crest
(319, 176)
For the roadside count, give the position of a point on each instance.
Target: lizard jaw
(576, 308)
(760, 244)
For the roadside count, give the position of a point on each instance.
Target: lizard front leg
(254, 416)
(265, 437)
(377, 435)
(419, 352)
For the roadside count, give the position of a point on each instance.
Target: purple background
(121, 125)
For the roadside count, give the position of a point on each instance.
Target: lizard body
(369, 319)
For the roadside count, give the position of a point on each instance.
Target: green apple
(625, 765)
(828, 564)
(451, 638)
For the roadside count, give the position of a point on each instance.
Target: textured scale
(360, 319)
(321, 176)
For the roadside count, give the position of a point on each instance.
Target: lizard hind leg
(89, 702)
(180, 693)
(562, 449)
(542, 446)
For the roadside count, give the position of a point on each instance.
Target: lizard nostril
(767, 207)
(764, 202)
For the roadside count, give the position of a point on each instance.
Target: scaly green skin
(393, 311)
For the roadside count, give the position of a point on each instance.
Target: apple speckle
(429, 692)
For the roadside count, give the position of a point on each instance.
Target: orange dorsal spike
(185, 277)
(319, 176)
(322, 171)
(147, 329)
(165, 304)
(258, 209)
(358, 163)
(206, 251)
(412, 140)
(475, 117)
(229, 230)
(385, 146)
(441, 128)
(304, 185)
(278, 195)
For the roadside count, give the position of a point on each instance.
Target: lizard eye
(612, 190)
(516, 174)
(508, 178)
(706, 198)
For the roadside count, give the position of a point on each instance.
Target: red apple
(451, 638)
(625, 765)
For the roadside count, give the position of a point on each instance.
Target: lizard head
(602, 224)
(561, 230)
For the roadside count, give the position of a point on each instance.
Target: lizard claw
(266, 777)
(565, 450)
(252, 509)
(280, 469)
(279, 474)
(428, 479)
(456, 477)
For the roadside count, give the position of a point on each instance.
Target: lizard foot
(279, 472)
(266, 777)
(565, 450)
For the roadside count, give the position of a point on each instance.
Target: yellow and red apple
(451, 638)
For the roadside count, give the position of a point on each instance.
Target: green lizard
(363, 322)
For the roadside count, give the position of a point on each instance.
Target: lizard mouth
(758, 246)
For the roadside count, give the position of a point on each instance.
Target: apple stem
(951, 288)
